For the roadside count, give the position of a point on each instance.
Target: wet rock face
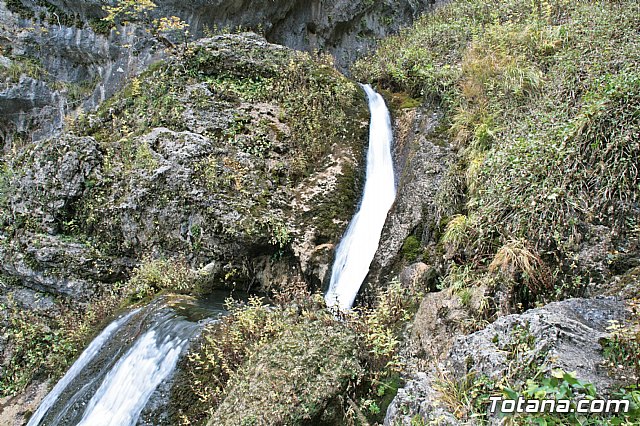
(421, 160)
(563, 335)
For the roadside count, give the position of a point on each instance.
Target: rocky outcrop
(211, 168)
(50, 176)
(80, 62)
(421, 157)
(53, 62)
(54, 265)
(342, 28)
(564, 335)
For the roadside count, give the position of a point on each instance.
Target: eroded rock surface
(209, 158)
(563, 335)
(65, 58)
(421, 160)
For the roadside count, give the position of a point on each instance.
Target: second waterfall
(360, 242)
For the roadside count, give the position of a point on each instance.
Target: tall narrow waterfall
(360, 242)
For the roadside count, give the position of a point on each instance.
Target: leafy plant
(129, 11)
(155, 275)
(622, 346)
(44, 344)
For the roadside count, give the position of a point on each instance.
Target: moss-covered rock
(233, 155)
(293, 380)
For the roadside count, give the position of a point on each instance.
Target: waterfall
(360, 242)
(116, 376)
(126, 389)
(76, 368)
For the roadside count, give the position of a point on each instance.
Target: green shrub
(43, 345)
(155, 275)
(355, 360)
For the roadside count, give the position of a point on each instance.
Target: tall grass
(542, 100)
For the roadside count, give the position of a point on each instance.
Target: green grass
(542, 103)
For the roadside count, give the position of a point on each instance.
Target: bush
(155, 275)
(331, 370)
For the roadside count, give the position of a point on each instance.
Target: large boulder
(564, 335)
(242, 157)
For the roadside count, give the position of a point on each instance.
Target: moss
(292, 380)
(411, 248)
(100, 26)
(399, 100)
(333, 209)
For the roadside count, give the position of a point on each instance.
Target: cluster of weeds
(152, 276)
(622, 346)
(370, 336)
(42, 344)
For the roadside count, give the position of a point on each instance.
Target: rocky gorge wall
(57, 56)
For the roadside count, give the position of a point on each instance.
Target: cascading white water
(114, 379)
(125, 391)
(84, 358)
(360, 242)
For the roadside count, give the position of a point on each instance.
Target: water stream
(360, 242)
(112, 381)
(76, 368)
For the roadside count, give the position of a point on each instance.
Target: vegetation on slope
(542, 102)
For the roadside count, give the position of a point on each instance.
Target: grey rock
(421, 160)
(52, 266)
(72, 52)
(563, 335)
(417, 275)
(566, 333)
(70, 58)
(50, 175)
